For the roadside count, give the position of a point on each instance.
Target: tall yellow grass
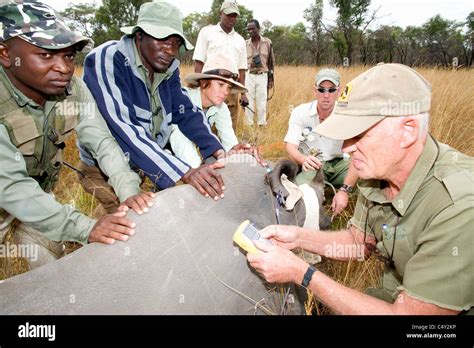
(452, 122)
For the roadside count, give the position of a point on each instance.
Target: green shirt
(433, 217)
(22, 197)
(155, 102)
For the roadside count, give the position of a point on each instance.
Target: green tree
(353, 20)
(442, 39)
(114, 14)
(81, 18)
(469, 40)
(289, 43)
(314, 15)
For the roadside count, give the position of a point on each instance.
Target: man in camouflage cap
(41, 104)
(39, 25)
(414, 211)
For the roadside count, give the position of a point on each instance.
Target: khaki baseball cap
(328, 75)
(160, 20)
(229, 7)
(386, 90)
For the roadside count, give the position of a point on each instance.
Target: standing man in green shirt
(41, 105)
(415, 209)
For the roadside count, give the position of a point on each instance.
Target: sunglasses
(224, 73)
(388, 261)
(324, 90)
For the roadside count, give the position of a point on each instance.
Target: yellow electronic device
(244, 236)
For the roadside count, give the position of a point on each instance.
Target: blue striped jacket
(123, 99)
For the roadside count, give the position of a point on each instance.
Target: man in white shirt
(223, 39)
(312, 150)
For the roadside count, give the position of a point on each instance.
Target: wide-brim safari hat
(386, 90)
(39, 25)
(159, 19)
(218, 67)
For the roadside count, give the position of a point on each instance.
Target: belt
(257, 72)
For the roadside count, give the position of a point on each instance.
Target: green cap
(160, 20)
(38, 24)
(386, 90)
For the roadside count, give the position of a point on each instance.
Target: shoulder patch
(460, 185)
(345, 93)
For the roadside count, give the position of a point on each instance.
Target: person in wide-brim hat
(208, 90)
(221, 68)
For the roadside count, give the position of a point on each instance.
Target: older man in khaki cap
(415, 208)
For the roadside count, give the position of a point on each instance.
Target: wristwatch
(346, 188)
(308, 275)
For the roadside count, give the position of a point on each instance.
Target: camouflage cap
(38, 24)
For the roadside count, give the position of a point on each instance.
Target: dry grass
(452, 122)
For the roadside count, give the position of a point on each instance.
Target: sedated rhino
(182, 259)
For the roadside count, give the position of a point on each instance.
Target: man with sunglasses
(313, 151)
(415, 207)
(136, 84)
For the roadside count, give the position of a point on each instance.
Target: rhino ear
(318, 185)
(283, 166)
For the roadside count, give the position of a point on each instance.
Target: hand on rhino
(112, 227)
(206, 180)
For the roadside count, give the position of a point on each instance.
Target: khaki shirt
(22, 197)
(264, 50)
(431, 221)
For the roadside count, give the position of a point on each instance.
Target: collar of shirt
(372, 189)
(22, 100)
(218, 25)
(313, 109)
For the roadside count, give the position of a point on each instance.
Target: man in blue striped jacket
(136, 84)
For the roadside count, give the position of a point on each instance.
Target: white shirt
(214, 40)
(305, 116)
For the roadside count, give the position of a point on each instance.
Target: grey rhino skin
(176, 263)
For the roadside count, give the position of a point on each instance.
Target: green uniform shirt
(432, 220)
(22, 197)
(156, 109)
